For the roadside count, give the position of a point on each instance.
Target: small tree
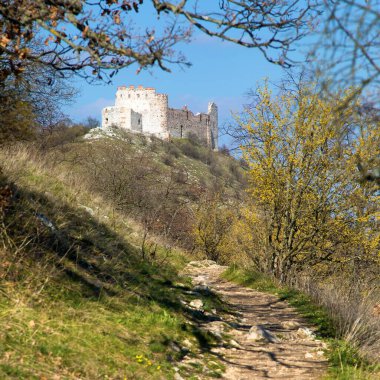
(17, 121)
(91, 122)
(302, 172)
(213, 224)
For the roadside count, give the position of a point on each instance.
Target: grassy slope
(203, 165)
(77, 301)
(345, 362)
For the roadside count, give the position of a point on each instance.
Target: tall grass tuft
(352, 305)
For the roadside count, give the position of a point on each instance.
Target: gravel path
(267, 338)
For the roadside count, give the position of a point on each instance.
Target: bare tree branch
(95, 38)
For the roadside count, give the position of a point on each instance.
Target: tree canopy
(348, 47)
(304, 182)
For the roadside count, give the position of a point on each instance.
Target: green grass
(94, 339)
(69, 331)
(82, 303)
(345, 362)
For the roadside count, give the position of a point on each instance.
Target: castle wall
(213, 131)
(143, 110)
(116, 116)
(136, 121)
(183, 122)
(153, 108)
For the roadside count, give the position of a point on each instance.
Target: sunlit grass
(53, 325)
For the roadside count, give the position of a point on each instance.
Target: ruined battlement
(143, 110)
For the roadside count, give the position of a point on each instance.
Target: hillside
(99, 233)
(87, 289)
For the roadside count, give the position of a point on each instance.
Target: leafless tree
(348, 52)
(90, 36)
(137, 186)
(39, 87)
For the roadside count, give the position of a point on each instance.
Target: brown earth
(288, 348)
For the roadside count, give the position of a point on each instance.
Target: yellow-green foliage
(214, 221)
(227, 231)
(302, 152)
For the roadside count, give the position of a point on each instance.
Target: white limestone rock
(259, 333)
(197, 304)
(305, 333)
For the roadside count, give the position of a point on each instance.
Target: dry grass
(76, 299)
(352, 305)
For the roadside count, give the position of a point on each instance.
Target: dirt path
(268, 340)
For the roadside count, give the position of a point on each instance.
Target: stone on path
(235, 344)
(259, 333)
(202, 288)
(290, 324)
(202, 263)
(305, 333)
(246, 348)
(197, 304)
(177, 376)
(199, 281)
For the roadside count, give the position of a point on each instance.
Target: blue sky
(220, 72)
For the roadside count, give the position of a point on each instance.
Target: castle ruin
(143, 110)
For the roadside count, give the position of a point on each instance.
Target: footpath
(266, 337)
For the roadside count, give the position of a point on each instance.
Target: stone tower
(138, 109)
(212, 138)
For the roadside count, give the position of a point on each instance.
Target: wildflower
(139, 358)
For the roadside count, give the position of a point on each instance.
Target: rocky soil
(260, 337)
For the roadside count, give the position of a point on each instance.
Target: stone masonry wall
(183, 122)
(143, 110)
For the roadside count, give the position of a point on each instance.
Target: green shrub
(172, 150)
(168, 160)
(190, 150)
